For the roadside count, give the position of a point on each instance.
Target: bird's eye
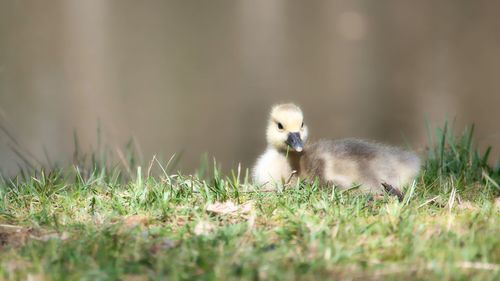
(280, 126)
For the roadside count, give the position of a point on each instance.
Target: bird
(285, 135)
(372, 167)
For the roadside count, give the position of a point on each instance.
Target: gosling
(372, 167)
(286, 134)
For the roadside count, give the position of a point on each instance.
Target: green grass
(97, 221)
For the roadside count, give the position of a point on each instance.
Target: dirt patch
(136, 220)
(132, 221)
(228, 207)
(15, 236)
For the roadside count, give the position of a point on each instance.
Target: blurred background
(200, 76)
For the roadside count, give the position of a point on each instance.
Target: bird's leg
(393, 191)
(289, 181)
(294, 172)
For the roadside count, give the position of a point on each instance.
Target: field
(101, 221)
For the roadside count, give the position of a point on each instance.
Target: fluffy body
(350, 162)
(342, 163)
(272, 169)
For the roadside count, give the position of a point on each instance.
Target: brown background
(200, 76)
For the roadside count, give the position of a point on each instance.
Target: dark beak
(295, 142)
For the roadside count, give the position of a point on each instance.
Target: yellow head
(286, 129)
